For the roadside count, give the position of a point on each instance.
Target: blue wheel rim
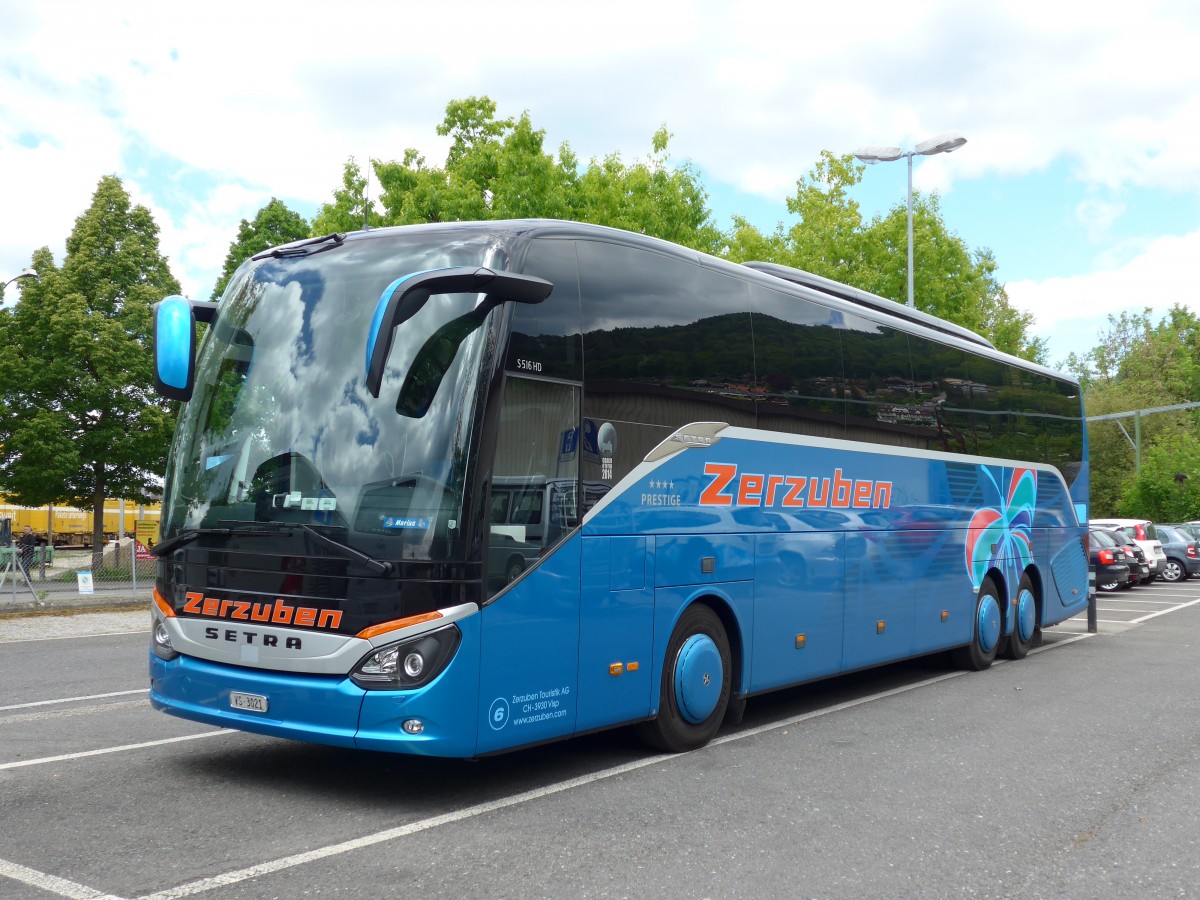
(1026, 616)
(698, 677)
(988, 624)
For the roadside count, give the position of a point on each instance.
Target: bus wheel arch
(1026, 615)
(736, 707)
(698, 673)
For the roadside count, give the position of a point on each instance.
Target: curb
(101, 600)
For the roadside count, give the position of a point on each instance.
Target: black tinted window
(546, 336)
(879, 385)
(667, 342)
(798, 359)
(939, 404)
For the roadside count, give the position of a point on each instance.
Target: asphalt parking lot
(1132, 606)
(1067, 774)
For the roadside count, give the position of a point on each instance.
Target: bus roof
(813, 287)
(865, 298)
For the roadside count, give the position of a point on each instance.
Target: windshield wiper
(379, 567)
(187, 535)
(303, 248)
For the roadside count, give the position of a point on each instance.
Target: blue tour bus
(745, 477)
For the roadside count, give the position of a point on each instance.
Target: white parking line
(42, 715)
(21, 764)
(70, 637)
(72, 699)
(237, 876)
(1083, 624)
(1113, 609)
(1161, 602)
(52, 884)
(1164, 611)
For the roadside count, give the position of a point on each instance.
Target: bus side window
(798, 362)
(879, 385)
(940, 401)
(667, 342)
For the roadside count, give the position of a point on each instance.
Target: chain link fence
(122, 571)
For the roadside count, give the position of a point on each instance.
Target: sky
(1081, 171)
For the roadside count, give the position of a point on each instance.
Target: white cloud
(205, 117)
(1070, 312)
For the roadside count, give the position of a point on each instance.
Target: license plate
(252, 702)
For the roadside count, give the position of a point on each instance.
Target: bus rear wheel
(1024, 621)
(696, 679)
(987, 630)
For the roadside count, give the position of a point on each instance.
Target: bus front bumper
(321, 709)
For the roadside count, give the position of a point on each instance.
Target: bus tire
(987, 631)
(696, 679)
(1024, 621)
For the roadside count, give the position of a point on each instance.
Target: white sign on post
(85, 582)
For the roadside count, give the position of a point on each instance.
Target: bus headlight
(407, 664)
(160, 640)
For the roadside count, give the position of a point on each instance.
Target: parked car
(1107, 559)
(1183, 554)
(1192, 528)
(1139, 568)
(1142, 531)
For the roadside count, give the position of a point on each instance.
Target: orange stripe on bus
(163, 606)
(397, 624)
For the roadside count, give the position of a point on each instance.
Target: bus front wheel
(696, 679)
(986, 633)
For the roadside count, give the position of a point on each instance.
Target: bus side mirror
(404, 297)
(174, 345)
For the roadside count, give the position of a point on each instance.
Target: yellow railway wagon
(73, 527)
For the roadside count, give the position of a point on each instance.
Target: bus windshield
(281, 428)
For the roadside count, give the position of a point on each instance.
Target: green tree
(79, 419)
(273, 225)
(349, 210)
(831, 239)
(500, 169)
(1140, 364)
(1168, 487)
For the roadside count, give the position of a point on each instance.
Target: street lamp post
(27, 273)
(942, 143)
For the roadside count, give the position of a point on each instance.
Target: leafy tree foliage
(1168, 487)
(1140, 364)
(79, 419)
(348, 211)
(500, 169)
(831, 239)
(274, 224)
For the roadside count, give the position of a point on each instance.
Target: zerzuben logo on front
(279, 613)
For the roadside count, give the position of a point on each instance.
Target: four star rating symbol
(662, 485)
